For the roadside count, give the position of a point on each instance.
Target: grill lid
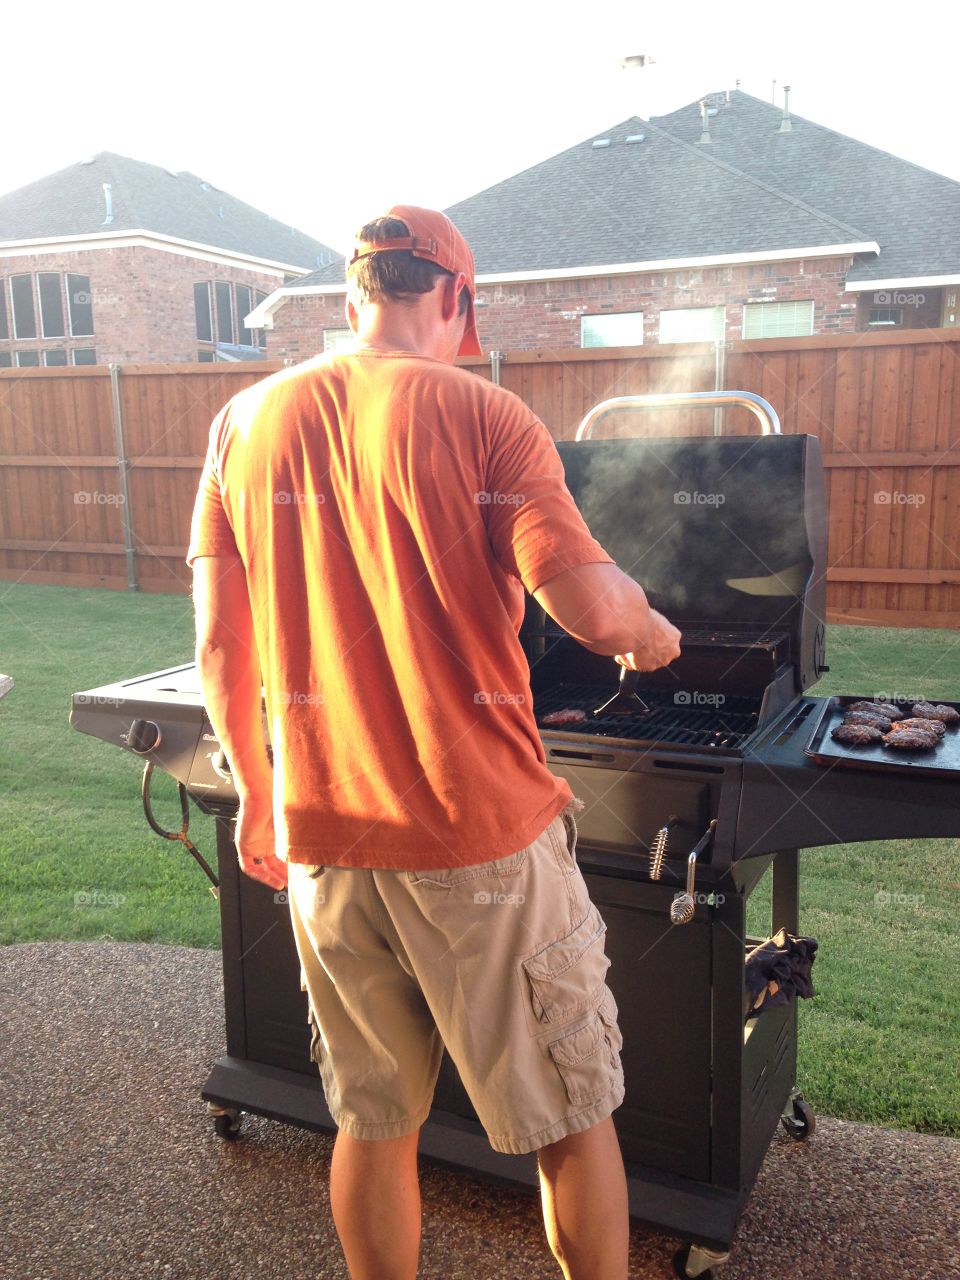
(688, 516)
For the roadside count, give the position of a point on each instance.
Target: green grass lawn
(880, 1042)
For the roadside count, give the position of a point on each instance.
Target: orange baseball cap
(434, 238)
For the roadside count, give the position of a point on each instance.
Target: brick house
(116, 261)
(728, 218)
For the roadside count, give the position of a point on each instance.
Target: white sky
(325, 114)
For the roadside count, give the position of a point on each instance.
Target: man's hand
(660, 649)
(256, 842)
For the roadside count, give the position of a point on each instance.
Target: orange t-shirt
(389, 510)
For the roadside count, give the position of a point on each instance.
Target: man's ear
(452, 286)
(353, 318)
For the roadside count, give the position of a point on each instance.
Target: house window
(205, 357)
(54, 358)
(201, 304)
(338, 339)
(51, 304)
(24, 316)
(244, 307)
(886, 316)
(4, 327)
(777, 319)
(224, 312)
(84, 355)
(693, 324)
(80, 304)
(622, 329)
(6, 360)
(28, 359)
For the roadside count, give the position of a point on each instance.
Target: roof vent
(108, 198)
(220, 212)
(172, 172)
(786, 125)
(601, 142)
(204, 186)
(713, 111)
(89, 160)
(704, 121)
(635, 137)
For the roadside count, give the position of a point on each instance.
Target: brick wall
(143, 309)
(530, 315)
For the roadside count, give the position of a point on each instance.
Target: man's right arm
(607, 612)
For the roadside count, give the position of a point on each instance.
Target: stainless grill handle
(762, 409)
(683, 907)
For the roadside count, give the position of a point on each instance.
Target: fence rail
(99, 465)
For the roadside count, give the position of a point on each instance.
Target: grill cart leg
(226, 1121)
(696, 1260)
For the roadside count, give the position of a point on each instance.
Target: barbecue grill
(710, 780)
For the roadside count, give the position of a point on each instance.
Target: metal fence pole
(123, 466)
(719, 377)
(495, 358)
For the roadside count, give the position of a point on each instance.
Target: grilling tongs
(626, 701)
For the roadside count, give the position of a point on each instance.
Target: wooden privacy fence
(99, 467)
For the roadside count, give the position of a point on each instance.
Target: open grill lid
(727, 535)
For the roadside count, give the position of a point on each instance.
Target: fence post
(495, 358)
(123, 466)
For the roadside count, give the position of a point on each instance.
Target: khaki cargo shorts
(503, 963)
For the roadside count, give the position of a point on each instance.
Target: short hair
(396, 275)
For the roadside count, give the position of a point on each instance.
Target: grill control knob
(143, 736)
(221, 765)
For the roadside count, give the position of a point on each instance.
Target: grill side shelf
(824, 750)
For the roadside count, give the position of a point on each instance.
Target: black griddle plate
(822, 749)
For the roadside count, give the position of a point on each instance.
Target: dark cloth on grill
(778, 970)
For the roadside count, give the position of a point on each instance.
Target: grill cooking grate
(722, 726)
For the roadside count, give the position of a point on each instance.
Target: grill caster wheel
(226, 1123)
(695, 1262)
(798, 1120)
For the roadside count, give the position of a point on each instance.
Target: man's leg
(375, 1199)
(583, 1189)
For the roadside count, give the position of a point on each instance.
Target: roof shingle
(144, 196)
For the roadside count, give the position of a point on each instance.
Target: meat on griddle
(886, 709)
(857, 735)
(936, 711)
(936, 727)
(868, 717)
(911, 740)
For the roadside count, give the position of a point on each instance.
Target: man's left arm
(229, 669)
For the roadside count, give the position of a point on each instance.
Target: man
(365, 527)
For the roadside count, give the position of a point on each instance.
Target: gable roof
(642, 196)
(913, 213)
(146, 197)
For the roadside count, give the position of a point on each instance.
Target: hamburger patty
(868, 717)
(886, 709)
(936, 711)
(857, 735)
(936, 727)
(911, 740)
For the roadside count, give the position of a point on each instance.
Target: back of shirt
(389, 510)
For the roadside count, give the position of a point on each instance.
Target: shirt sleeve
(533, 523)
(210, 530)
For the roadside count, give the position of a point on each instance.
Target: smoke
(683, 515)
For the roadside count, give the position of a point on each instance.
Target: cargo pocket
(566, 976)
(588, 1058)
